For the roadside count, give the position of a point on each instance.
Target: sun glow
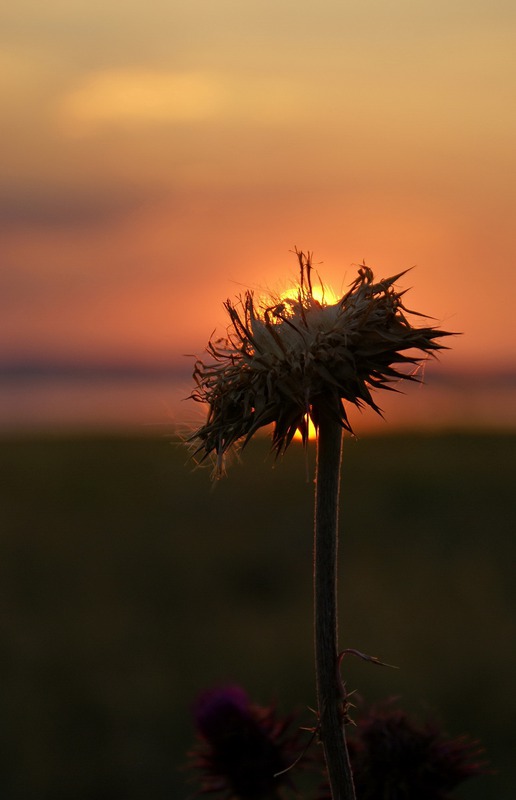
(322, 294)
(312, 433)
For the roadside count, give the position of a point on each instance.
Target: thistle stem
(329, 685)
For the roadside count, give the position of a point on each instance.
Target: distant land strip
(121, 370)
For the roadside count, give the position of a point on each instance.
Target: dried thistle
(292, 359)
(289, 359)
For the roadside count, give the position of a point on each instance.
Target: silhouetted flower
(241, 746)
(394, 758)
(287, 357)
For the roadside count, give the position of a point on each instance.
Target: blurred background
(130, 584)
(158, 158)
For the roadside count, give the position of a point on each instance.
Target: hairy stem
(329, 686)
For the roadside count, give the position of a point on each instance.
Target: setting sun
(312, 433)
(321, 293)
(325, 296)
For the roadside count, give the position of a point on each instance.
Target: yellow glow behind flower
(312, 431)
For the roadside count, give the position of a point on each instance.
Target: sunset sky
(159, 157)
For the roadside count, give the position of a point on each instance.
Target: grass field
(130, 583)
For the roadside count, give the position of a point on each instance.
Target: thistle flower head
(242, 746)
(397, 758)
(289, 359)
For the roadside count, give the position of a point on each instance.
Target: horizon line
(158, 369)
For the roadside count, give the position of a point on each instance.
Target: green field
(129, 583)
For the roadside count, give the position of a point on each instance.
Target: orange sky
(159, 156)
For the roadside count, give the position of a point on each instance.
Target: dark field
(129, 584)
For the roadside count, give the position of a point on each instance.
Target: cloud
(136, 98)
(129, 97)
(55, 206)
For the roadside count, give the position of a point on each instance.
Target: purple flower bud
(217, 712)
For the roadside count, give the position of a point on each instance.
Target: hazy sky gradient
(160, 156)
